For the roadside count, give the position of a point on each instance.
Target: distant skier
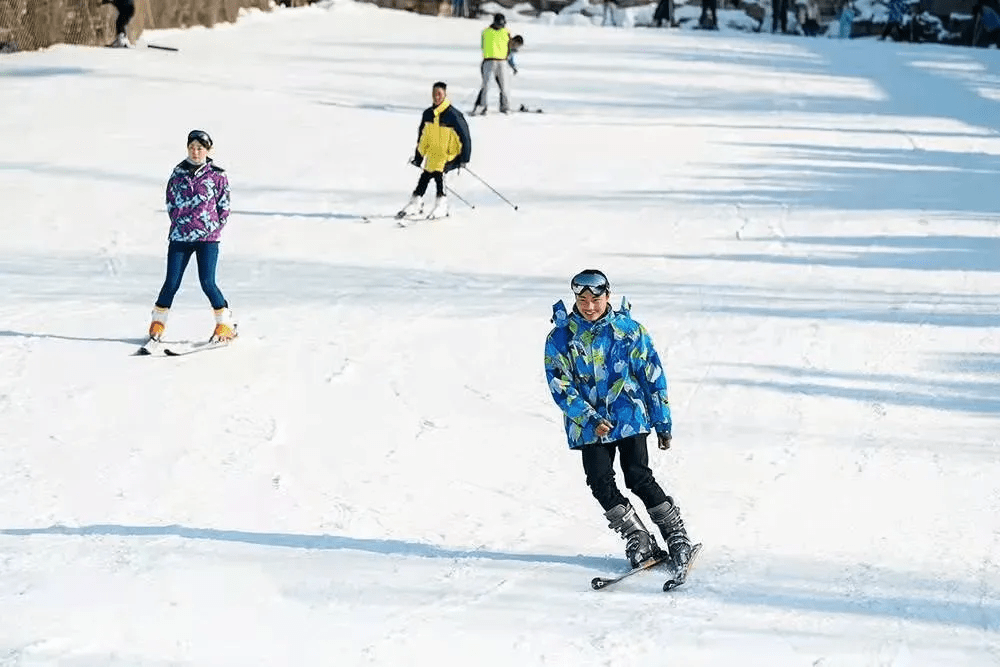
(126, 10)
(605, 375)
(495, 44)
(897, 11)
(443, 145)
(198, 206)
(665, 12)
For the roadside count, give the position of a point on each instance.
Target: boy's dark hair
(441, 84)
(517, 40)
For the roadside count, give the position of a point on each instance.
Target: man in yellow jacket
(496, 50)
(443, 144)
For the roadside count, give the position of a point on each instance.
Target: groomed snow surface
(375, 474)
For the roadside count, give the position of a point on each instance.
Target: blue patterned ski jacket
(606, 369)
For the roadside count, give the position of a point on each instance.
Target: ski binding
(681, 576)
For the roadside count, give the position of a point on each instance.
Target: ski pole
(490, 187)
(458, 196)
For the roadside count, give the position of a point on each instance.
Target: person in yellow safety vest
(496, 50)
(516, 42)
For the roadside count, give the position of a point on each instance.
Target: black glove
(453, 165)
(417, 160)
(663, 440)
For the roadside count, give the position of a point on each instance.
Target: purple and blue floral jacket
(197, 201)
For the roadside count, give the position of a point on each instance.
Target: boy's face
(590, 306)
(438, 95)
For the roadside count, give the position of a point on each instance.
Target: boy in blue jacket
(606, 377)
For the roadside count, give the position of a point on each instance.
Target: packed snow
(374, 473)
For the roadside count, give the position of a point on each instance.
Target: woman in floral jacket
(198, 206)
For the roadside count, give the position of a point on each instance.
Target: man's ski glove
(663, 440)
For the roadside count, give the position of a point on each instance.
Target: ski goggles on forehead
(201, 137)
(594, 282)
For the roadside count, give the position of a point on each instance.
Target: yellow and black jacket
(443, 138)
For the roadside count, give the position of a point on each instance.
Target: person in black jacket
(443, 145)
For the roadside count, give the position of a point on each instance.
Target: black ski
(681, 576)
(150, 46)
(599, 583)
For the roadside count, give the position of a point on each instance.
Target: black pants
(425, 179)
(664, 12)
(779, 9)
(598, 463)
(709, 14)
(126, 10)
(889, 28)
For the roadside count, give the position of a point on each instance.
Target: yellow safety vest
(496, 44)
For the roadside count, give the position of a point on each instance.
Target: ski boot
(120, 42)
(640, 546)
(414, 207)
(225, 327)
(159, 323)
(667, 517)
(440, 209)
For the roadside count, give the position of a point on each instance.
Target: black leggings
(598, 463)
(425, 179)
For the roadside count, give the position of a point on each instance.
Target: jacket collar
(440, 109)
(193, 168)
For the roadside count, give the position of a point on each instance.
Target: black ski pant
(598, 464)
(889, 28)
(709, 14)
(126, 10)
(664, 12)
(779, 9)
(425, 180)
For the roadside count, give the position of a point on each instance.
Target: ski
(368, 219)
(182, 349)
(150, 348)
(154, 347)
(408, 220)
(681, 576)
(598, 583)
